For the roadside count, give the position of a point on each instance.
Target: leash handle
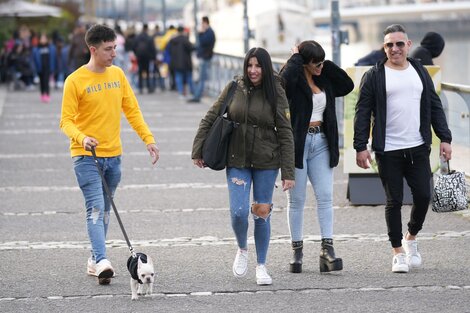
(110, 198)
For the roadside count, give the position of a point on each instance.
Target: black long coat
(335, 82)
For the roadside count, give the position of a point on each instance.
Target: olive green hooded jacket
(262, 140)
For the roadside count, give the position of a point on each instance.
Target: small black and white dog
(142, 275)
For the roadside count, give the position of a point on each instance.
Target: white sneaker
(399, 264)
(240, 264)
(262, 276)
(413, 257)
(91, 267)
(104, 271)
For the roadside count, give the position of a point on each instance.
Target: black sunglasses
(319, 64)
(399, 44)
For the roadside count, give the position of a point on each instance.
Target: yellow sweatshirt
(91, 107)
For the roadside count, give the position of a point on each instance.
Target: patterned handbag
(450, 192)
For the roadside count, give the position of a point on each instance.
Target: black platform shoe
(296, 263)
(328, 261)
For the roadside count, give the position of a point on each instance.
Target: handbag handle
(228, 98)
(449, 171)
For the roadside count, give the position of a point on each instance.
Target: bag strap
(228, 98)
(449, 171)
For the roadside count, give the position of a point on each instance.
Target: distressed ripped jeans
(239, 181)
(96, 202)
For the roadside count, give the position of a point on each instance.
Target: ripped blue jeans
(239, 181)
(96, 202)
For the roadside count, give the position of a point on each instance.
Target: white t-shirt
(404, 88)
(319, 104)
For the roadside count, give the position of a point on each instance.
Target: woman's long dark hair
(268, 79)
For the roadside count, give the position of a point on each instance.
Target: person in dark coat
(397, 95)
(205, 51)
(45, 60)
(431, 47)
(78, 51)
(145, 51)
(259, 146)
(312, 85)
(180, 49)
(371, 58)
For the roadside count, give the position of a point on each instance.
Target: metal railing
(223, 68)
(456, 101)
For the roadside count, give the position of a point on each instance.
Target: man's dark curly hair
(97, 34)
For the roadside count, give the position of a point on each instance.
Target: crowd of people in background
(152, 59)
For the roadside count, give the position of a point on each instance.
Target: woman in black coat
(312, 84)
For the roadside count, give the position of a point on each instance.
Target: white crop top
(319, 104)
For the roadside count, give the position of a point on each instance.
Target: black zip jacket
(372, 106)
(335, 82)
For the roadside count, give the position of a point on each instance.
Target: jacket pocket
(266, 147)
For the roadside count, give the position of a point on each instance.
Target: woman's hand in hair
(294, 50)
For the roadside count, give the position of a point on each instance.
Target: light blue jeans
(96, 202)
(239, 181)
(317, 169)
(204, 66)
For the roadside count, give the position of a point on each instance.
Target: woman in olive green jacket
(261, 145)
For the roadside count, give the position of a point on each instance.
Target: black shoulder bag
(215, 147)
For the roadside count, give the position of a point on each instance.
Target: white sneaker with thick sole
(413, 257)
(240, 264)
(262, 276)
(104, 271)
(91, 267)
(399, 264)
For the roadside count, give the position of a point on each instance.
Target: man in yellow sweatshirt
(94, 97)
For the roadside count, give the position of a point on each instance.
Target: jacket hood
(434, 43)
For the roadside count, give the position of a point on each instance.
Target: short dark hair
(98, 33)
(394, 28)
(205, 19)
(268, 78)
(311, 51)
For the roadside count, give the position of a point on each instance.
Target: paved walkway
(178, 214)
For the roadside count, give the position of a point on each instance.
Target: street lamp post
(246, 29)
(338, 37)
(142, 11)
(195, 23)
(164, 16)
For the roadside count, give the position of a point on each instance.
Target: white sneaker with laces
(399, 264)
(104, 271)
(240, 264)
(413, 257)
(91, 267)
(262, 276)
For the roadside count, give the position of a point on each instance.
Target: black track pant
(413, 165)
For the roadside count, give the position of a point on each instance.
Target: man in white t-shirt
(399, 95)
